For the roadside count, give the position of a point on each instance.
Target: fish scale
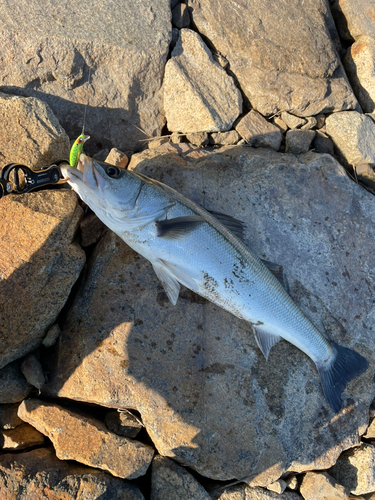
(188, 245)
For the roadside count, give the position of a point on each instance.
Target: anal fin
(265, 341)
(169, 282)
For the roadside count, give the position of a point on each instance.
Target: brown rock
(259, 47)
(87, 440)
(321, 486)
(117, 158)
(224, 138)
(199, 96)
(30, 122)
(123, 423)
(366, 174)
(278, 486)
(33, 371)
(23, 436)
(242, 492)
(355, 469)
(194, 372)
(355, 18)
(38, 265)
(38, 475)
(199, 139)
(170, 481)
(292, 121)
(8, 416)
(258, 132)
(13, 385)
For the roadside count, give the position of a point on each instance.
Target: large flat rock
(282, 55)
(47, 51)
(39, 264)
(206, 395)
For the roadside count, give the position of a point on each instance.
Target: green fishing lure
(76, 149)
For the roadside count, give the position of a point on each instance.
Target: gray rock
(52, 336)
(33, 371)
(355, 469)
(353, 135)
(259, 47)
(92, 230)
(199, 96)
(38, 473)
(125, 47)
(8, 416)
(180, 16)
(354, 18)
(170, 481)
(224, 138)
(298, 141)
(323, 144)
(321, 486)
(292, 121)
(320, 120)
(242, 492)
(359, 63)
(13, 385)
(258, 132)
(199, 139)
(123, 423)
(194, 372)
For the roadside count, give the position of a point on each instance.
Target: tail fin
(343, 366)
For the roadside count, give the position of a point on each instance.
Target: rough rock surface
(298, 141)
(360, 66)
(353, 135)
(31, 122)
(224, 138)
(258, 38)
(355, 18)
(23, 436)
(170, 481)
(39, 475)
(87, 440)
(32, 371)
(205, 393)
(292, 121)
(123, 423)
(38, 266)
(199, 96)
(355, 469)
(259, 132)
(321, 486)
(13, 385)
(8, 416)
(125, 47)
(241, 492)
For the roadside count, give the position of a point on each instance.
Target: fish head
(103, 187)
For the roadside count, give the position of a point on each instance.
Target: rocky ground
(261, 110)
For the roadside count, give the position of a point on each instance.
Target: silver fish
(203, 251)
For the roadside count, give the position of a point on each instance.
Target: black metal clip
(19, 179)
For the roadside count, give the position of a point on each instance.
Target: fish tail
(343, 365)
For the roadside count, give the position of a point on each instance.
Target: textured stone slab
(170, 481)
(321, 486)
(30, 122)
(23, 436)
(354, 18)
(360, 66)
(353, 135)
(199, 96)
(38, 266)
(259, 36)
(194, 372)
(87, 440)
(38, 475)
(259, 132)
(125, 47)
(355, 469)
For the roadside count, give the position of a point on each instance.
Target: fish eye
(113, 171)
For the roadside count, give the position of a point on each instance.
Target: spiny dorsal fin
(234, 225)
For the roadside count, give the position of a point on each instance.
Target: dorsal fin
(234, 225)
(277, 270)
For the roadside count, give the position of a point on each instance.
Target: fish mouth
(85, 175)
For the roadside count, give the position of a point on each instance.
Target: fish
(205, 252)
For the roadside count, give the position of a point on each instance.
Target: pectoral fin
(169, 282)
(265, 341)
(173, 229)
